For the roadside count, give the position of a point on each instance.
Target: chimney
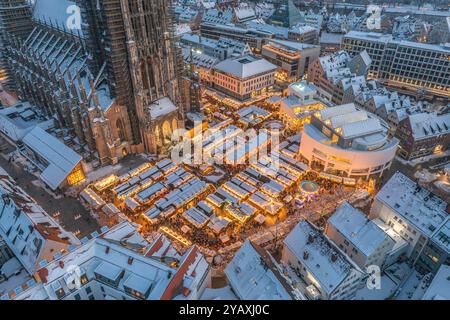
(305, 255)
(186, 291)
(334, 257)
(310, 238)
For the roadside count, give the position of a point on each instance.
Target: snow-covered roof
(26, 227)
(319, 255)
(413, 203)
(333, 38)
(57, 12)
(162, 107)
(336, 64)
(218, 16)
(61, 159)
(138, 265)
(70, 61)
(302, 28)
(225, 293)
(370, 36)
(255, 277)
(426, 125)
(290, 45)
(302, 89)
(199, 59)
(337, 111)
(269, 29)
(17, 120)
(439, 288)
(245, 67)
(357, 229)
(244, 13)
(351, 122)
(183, 28)
(361, 128)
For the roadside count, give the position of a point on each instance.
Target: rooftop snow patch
(251, 279)
(57, 12)
(245, 67)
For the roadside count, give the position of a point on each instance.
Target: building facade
(347, 142)
(304, 34)
(404, 65)
(293, 59)
(106, 81)
(423, 134)
(419, 217)
(339, 77)
(323, 267)
(134, 39)
(15, 18)
(244, 78)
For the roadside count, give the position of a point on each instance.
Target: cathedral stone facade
(112, 87)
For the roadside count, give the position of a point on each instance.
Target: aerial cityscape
(202, 150)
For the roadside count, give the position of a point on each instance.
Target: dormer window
(108, 273)
(137, 286)
(58, 289)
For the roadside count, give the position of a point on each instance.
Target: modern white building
(348, 142)
(326, 270)
(244, 78)
(360, 238)
(413, 212)
(300, 103)
(253, 274)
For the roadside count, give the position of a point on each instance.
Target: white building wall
(347, 160)
(242, 87)
(398, 224)
(346, 290)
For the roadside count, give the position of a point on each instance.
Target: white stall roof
(62, 160)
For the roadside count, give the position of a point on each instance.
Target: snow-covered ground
(425, 176)
(415, 162)
(439, 180)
